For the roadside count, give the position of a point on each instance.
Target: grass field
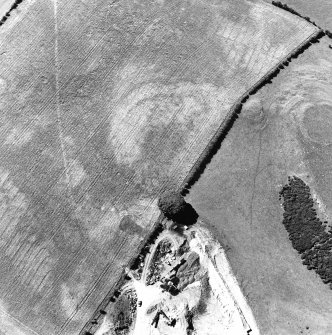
(283, 130)
(319, 11)
(104, 104)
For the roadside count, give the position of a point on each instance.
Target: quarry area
(184, 286)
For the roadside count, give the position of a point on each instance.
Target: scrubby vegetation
(126, 312)
(309, 235)
(138, 262)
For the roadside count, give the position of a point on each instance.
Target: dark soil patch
(127, 224)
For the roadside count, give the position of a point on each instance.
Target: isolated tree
(172, 204)
(175, 208)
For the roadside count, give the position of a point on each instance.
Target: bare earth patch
(210, 304)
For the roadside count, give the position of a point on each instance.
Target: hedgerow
(293, 11)
(7, 15)
(227, 125)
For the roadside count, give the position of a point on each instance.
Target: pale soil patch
(225, 286)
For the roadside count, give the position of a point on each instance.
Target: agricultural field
(105, 104)
(283, 131)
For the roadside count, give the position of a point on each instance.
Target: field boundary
(12, 7)
(289, 9)
(203, 160)
(216, 140)
(112, 295)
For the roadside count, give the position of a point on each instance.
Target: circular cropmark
(317, 121)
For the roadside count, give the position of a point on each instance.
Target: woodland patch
(308, 234)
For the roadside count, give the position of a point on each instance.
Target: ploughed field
(104, 104)
(284, 131)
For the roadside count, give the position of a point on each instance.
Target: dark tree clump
(309, 236)
(174, 207)
(171, 204)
